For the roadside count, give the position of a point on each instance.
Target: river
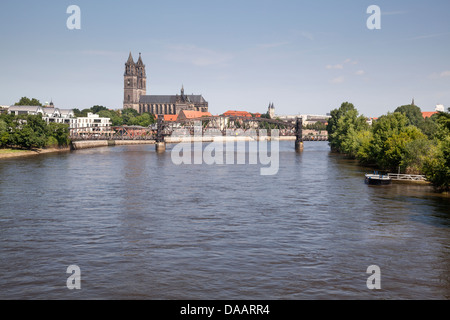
(139, 226)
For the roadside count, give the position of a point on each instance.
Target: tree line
(400, 141)
(31, 132)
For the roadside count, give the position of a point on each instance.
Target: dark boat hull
(378, 180)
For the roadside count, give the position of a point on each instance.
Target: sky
(306, 57)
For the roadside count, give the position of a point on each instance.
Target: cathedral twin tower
(135, 84)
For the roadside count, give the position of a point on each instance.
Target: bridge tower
(299, 135)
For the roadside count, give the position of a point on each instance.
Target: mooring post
(160, 143)
(299, 135)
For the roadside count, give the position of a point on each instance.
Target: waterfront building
(56, 115)
(93, 123)
(135, 94)
(49, 113)
(25, 110)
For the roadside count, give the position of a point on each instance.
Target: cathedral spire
(139, 62)
(130, 59)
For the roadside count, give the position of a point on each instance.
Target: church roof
(170, 99)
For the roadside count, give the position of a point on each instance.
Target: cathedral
(135, 94)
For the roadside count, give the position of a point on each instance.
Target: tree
(116, 118)
(413, 113)
(60, 133)
(443, 118)
(24, 101)
(430, 127)
(128, 116)
(416, 153)
(346, 123)
(397, 149)
(81, 114)
(332, 126)
(437, 165)
(96, 109)
(4, 134)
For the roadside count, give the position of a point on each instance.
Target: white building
(440, 108)
(56, 115)
(91, 124)
(83, 125)
(25, 110)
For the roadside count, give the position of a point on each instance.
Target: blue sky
(304, 56)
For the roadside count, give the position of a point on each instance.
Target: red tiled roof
(194, 114)
(234, 113)
(169, 117)
(428, 114)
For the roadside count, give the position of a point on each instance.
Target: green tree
(413, 113)
(345, 132)
(430, 127)
(4, 134)
(437, 165)
(332, 126)
(443, 118)
(128, 116)
(96, 109)
(24, 101)
(81, 113)
(116, 118)
(383, 129)
(416, 153)
(28, 132)
(396, 146)
(58, 132)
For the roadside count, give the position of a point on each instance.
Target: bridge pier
(160, 147)
(299, 146)
(160, 143)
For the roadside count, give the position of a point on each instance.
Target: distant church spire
(413, 102)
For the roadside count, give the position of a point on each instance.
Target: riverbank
(14, 153)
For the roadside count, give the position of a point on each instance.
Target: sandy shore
(8, 153)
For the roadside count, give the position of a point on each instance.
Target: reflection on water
(140, 227)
